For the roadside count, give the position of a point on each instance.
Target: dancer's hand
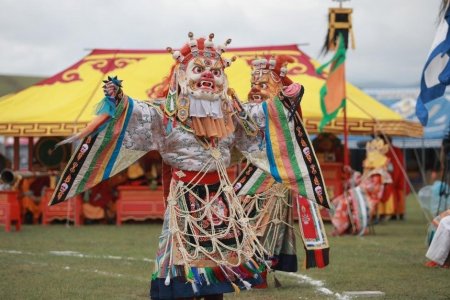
(291, 91)
(294, 92)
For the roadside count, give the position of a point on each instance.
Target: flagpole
(346, 151)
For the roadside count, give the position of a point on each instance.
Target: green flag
(332, 94)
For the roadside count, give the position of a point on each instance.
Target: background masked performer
(357, 208)
(271, 212)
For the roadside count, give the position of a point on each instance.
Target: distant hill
(14, 83)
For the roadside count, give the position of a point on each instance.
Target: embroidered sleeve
(144, 129)
(134, 130)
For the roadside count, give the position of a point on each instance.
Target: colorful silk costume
(207, 246)
(271, 211)
(356, 208)
(396, 192)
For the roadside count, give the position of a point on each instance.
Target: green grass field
(109, 262)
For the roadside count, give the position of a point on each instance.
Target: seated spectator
(31, 190)
(136, 174)
(439, 250)
(101, 199)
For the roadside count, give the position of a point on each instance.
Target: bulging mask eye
(263, 85)
(197, 69)
(217, 72)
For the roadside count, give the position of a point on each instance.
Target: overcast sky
(43, 37)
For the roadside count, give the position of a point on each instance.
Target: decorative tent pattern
(64, 103)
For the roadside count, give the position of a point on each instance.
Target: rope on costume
(219, 219)
(267, 212)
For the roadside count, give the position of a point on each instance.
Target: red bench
(139, 203)
(68, 210)
(10, 210)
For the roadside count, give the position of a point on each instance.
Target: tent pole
(346, 151)
(30, 153)
(421, 167)
(424, 162)
(16, 149)
(406, 169)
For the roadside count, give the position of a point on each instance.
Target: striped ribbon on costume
(290, 154)
(252, 180)
(313, 234)
(97, 157)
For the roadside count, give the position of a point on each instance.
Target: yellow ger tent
(64, 103)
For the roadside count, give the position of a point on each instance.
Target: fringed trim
(318, 258)
(238, 277)
(209, 127)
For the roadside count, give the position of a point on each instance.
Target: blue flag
(436, 73)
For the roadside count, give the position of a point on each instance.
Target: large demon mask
(198, 85)
(204, 78)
